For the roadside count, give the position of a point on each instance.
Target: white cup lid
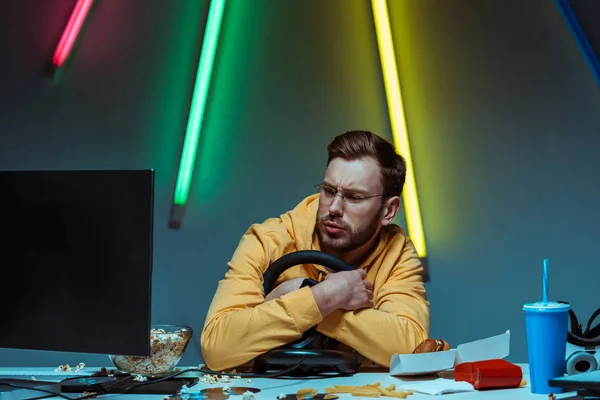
(550, 306)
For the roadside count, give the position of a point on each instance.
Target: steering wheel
(297, 258)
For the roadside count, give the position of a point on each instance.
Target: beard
(351, 239)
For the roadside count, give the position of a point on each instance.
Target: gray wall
(502, 114)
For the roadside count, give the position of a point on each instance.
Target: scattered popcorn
(281, 396)
(63, 368)
(184, 393)
(201, 366)
(248, 395)
(140, 378)
(249, 381)
(184, 390)
(226, 389)
(85, 394)
(225, 379)
(33, 378)
(209, 379)
(67, 368)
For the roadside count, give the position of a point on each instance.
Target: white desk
(271, 388)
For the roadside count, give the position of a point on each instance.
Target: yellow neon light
(398, 122)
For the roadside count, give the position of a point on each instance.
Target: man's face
(345, 225)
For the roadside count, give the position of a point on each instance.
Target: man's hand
(346, 290)
(352, 289)
(284, 288)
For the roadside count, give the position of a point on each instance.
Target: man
(378, 309)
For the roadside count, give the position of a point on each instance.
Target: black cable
(48, 391)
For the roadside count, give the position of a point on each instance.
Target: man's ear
(390, 209)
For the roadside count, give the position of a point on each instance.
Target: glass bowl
(167, 345)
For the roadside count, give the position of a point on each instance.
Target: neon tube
(80, 12)
(398, 122)
(580, 38)
(196, 114)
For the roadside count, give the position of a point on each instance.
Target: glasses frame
(355, 201)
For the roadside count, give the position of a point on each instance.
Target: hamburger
(431, 345)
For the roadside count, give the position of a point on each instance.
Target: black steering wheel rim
(298, 258)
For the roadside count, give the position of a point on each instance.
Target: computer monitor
(76, 253)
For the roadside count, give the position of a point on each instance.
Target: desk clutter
(100, 383)
(125, 384)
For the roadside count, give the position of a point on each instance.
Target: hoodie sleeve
(239, 326)
(398, 321)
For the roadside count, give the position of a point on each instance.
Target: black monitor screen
(76, 260)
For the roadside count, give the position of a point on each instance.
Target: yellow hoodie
(240, 326)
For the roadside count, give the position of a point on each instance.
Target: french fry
(366, 393)
(370, 390)
(389, 393)
(307, 391)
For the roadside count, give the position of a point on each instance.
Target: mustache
(329, 218)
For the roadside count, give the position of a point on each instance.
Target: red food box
(489, 374)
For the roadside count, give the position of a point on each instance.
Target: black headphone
(577, 336)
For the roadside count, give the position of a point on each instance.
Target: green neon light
(196, 115)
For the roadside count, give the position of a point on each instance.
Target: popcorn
(249, 381)
(165, 351)
(63, 368)
(209, 379)
(281, 396)
(225, 379)
(248, 395)
(139, 378)
(226, 389)
(184, 390)
(67, 368)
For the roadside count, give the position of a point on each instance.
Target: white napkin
(437, 386)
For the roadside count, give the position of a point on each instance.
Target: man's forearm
(233, 337)
(325, 301)
(377, 335)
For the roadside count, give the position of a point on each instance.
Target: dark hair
(359, 144)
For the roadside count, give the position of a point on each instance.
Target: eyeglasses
(328, 192)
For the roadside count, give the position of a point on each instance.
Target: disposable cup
(546, 326)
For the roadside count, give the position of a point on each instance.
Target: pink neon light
(71, 31)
